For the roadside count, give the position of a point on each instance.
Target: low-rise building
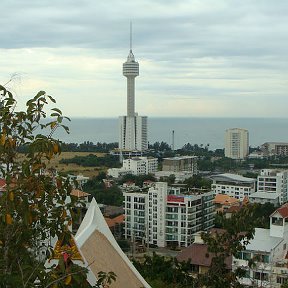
(268, 248)
(199, 256)
(180, 164)
(163, 216)
(179, 176)
(135, 166)
(273, 182)
(233, 185)
(275, 148)
(141, 165)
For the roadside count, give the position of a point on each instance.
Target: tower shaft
(130, 96)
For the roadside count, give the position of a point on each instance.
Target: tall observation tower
(132, 128)
(131, 71)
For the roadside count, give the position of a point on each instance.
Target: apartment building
(271, 187)
(268, 248)
(233, 185)
(236, 143)
(164, 216)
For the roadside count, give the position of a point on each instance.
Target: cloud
(196, 57)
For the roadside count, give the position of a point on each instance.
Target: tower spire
(130, 36)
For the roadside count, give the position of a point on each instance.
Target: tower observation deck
(130, 71)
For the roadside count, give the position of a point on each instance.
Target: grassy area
(74, 168)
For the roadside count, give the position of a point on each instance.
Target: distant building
(272, 187)
(164, 217)
(179, 176)
(141, 165)
(135, 166)
(180, 164)
(236, 143)
(233, 185)
(275, 148)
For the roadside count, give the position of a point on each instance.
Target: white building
(271, 187)
(236, 143)
(141, 165)
(269, 250)
(132, 128)
(135, 166)
(162, 216)
(233, 185)
(179, 176)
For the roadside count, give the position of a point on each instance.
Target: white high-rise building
(164, 217)
(236, 143)
(132, 128)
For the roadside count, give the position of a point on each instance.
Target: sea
(186, 130)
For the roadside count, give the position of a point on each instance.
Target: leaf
(57, 110)
(51, 98)
(11, 196)
(8, 219)
(68, 280)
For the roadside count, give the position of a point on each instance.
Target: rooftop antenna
(173, 139)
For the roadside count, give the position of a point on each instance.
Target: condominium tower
(163, 216)
(236, 143)
(132, 128)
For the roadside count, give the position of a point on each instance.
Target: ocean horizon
(208, 130)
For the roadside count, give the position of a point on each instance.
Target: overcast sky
(198, 58)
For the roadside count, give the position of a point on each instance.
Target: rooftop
(225, 199)
(180, 158)
(199, 255)
(233, 177)
(263, 241)
(283, 211)
(265, 195)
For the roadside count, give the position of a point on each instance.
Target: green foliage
(93, 161)
(88, 146)
(238, 232)
(165, 272)
(160, 146)
(138, 180)
(108, 196)
(198, 181)
(33, 207)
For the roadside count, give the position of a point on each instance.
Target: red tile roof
(225, 199)
(283, 210)
(111, 222)
(199, 255)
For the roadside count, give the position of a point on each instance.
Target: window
(282, 280)
(260, 276)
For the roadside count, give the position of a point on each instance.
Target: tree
(237, 233)
(34, 207)
(162, 271)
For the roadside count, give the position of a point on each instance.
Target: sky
(198, 58)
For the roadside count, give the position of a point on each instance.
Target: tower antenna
(130, 35)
